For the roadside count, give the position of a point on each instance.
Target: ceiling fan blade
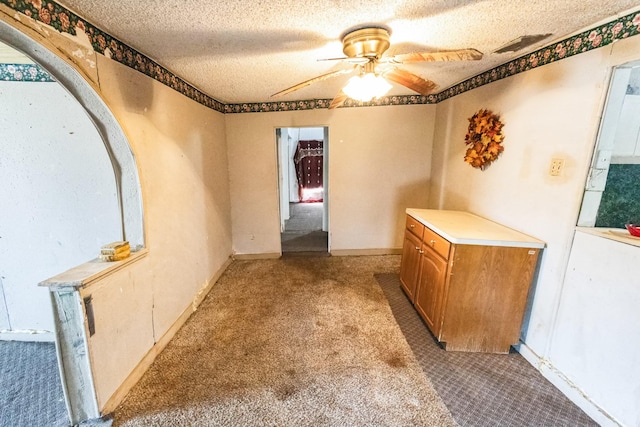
(338, 101)
(410, 80)
(341, 58)
(443, 55)
(358, 60)
(311, 81)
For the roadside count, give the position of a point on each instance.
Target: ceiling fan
(364, 47)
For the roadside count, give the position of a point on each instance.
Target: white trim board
(572, 391)
(35, 336)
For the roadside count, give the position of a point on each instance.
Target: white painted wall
(284, 175)
(310, 133)
(294, 197)
(552, 112)
(595, 340)
(59, 202)
(627, 139)
(4, 312)
(379, 164)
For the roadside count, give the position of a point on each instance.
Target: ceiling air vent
(521, 42)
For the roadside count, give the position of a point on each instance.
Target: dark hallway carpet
(303, 233)
(30, 390)
(482, 389)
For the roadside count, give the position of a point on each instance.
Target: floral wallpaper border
(65, 21)
(603, 35)
(24, 73)
(51, 13)
(312, 104)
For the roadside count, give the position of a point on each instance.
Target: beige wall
(550, 112)
(180, 150)
(379, 164)
(209, 186)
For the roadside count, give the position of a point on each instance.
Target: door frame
(281, 170)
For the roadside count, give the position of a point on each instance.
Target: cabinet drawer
(415, 226)
(437, 242)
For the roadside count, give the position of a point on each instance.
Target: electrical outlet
(557, 165)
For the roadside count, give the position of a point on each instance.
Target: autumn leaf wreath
(484, 139)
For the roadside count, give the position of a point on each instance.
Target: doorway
(303, 190)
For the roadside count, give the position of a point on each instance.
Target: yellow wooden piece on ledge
(115, 251)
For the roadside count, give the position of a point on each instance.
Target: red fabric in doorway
(309, 166)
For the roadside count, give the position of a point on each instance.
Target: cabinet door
(428, 300)
(410, 264)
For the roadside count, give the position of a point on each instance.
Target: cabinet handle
(412, 226)
(417, 248)
(433, 242)
(421, 252)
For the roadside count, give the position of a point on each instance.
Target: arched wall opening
(58, 185)
(122, 207)
(118, 148)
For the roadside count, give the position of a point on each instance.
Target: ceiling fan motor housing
(366, 42)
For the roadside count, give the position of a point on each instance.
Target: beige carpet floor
(289, 342)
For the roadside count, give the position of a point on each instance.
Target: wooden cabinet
(410, 266)
(468, 278)
(432, 277)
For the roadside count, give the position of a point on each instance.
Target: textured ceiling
(239, 51)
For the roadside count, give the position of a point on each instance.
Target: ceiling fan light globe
(355, 89)
(365, 88)
(377, 84)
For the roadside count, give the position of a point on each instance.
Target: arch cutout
(120, 154)
(73, 362)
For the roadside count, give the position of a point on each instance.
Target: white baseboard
(364, 252)
(337, 252)
(35, 336)
(267, 255)
(136, 374)
(568, 388)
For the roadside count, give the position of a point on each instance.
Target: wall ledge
(27, 335)
(85, 274)
(618, 234)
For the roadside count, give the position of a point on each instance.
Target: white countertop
(469, 229)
